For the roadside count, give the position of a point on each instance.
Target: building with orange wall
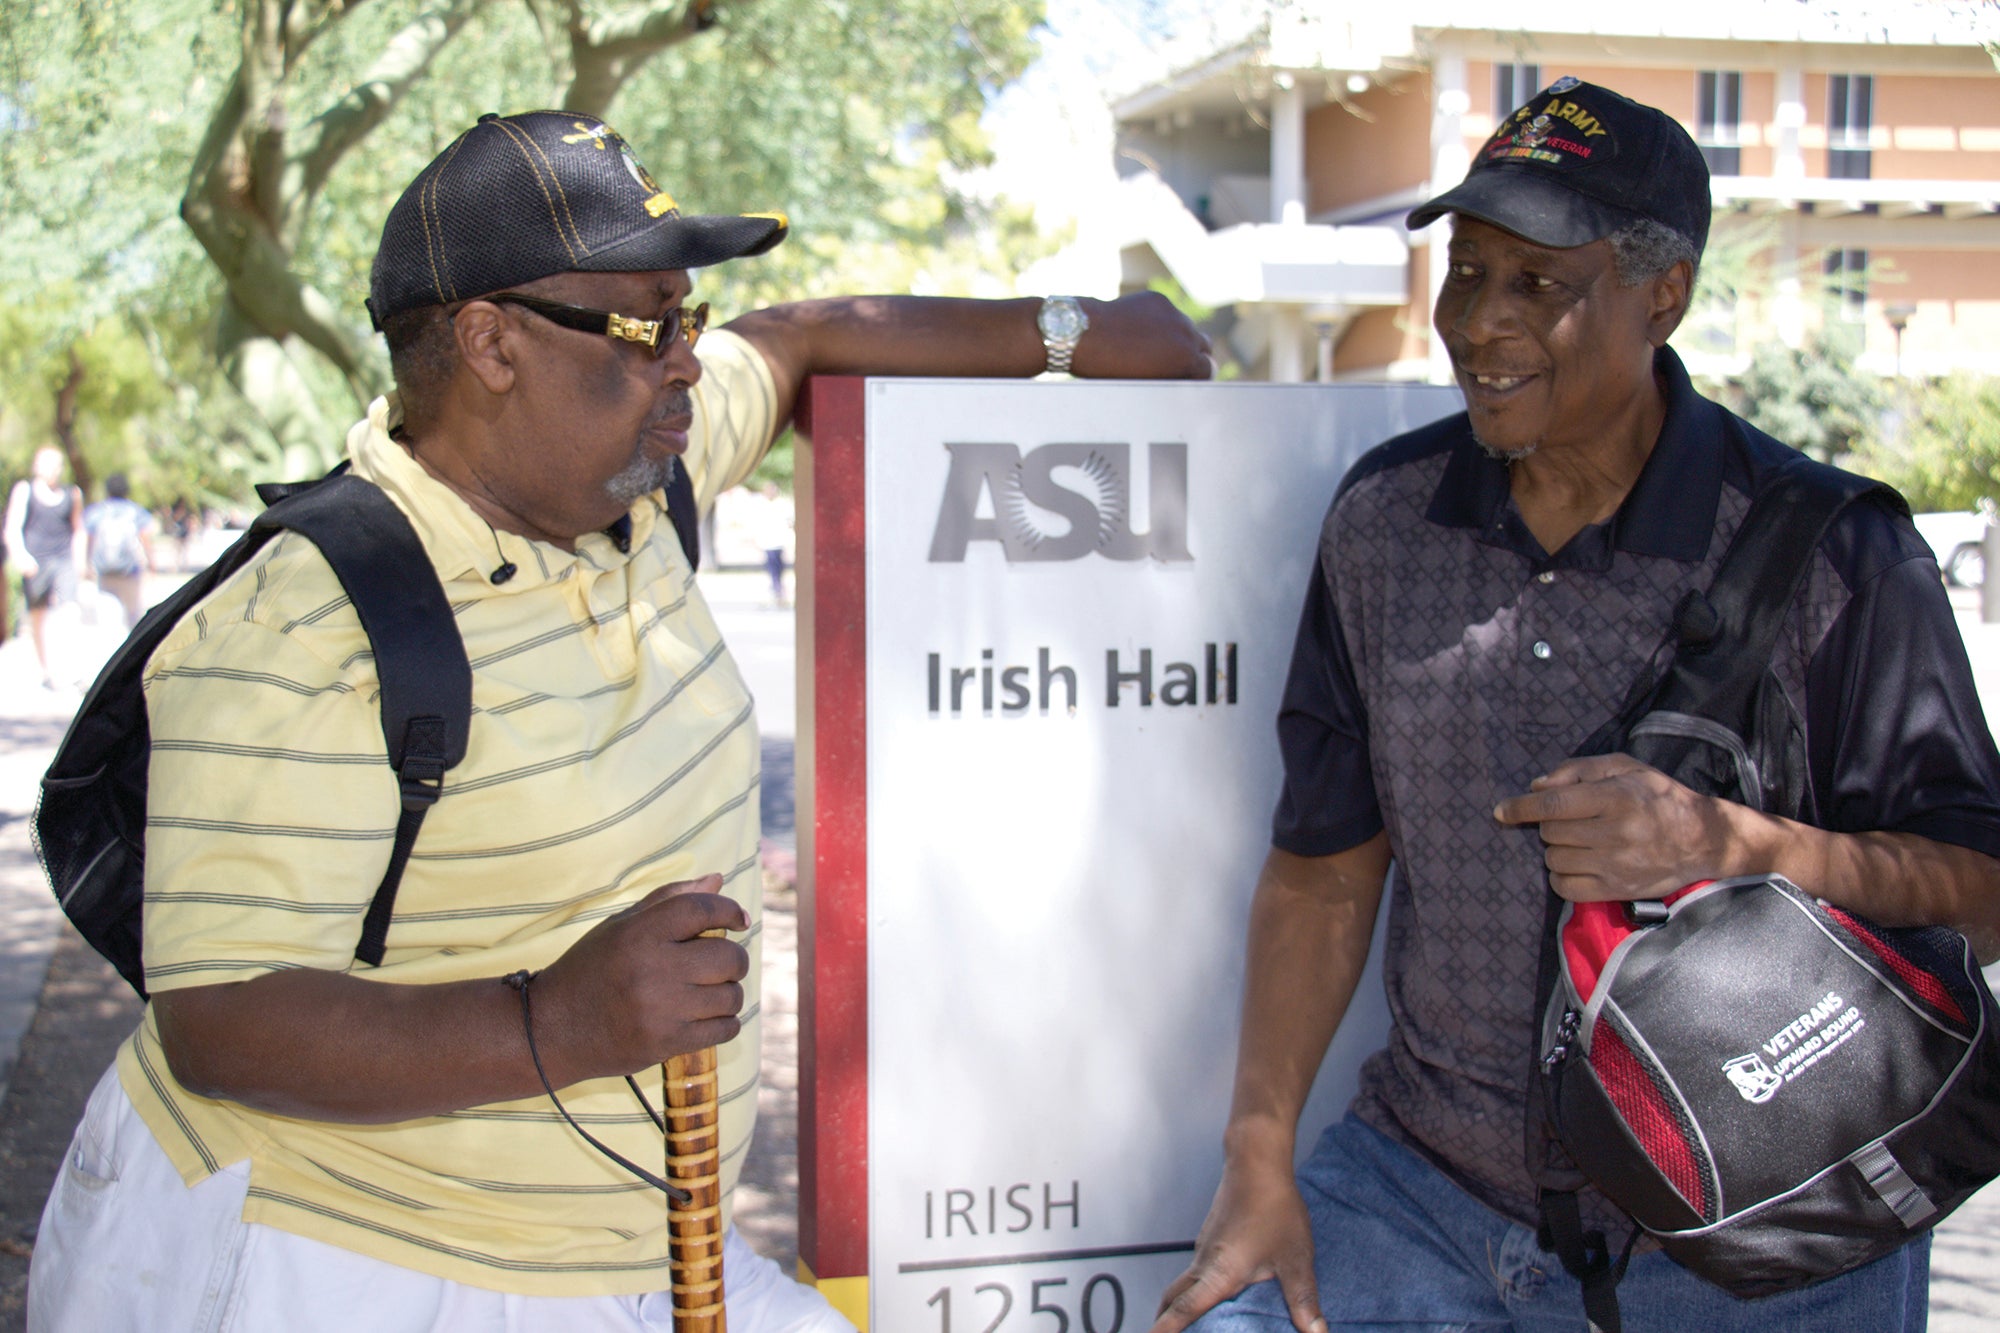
(1855, 152)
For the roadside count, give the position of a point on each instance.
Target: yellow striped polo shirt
(613, 748)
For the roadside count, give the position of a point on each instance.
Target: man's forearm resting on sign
(1135, 337)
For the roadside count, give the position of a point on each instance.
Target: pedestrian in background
(183, 525)
(772, 524)
(121, 545)
(45, 533)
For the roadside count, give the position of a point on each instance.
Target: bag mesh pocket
(1922, 959)
(1654, 1116)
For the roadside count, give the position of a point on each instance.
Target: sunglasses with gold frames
(656, 334)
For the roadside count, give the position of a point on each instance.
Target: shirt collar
(1670, 511)
(462, 545)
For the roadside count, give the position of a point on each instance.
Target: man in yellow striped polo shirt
(293, 1141)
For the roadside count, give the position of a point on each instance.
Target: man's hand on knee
(1257, 1228)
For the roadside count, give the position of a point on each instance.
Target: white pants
(126, 1247)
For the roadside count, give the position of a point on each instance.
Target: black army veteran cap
(521, 197)
(1576, 163)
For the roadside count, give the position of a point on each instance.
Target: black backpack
(90, 823)
(1775, 1089)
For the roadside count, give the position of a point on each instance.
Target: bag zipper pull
(1566, 1030)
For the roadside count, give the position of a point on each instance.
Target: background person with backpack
(1488, 589)
(297, 1140)
(121, 545)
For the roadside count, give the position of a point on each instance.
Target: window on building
(1846, 284)
(1850, 111)
(1718, 120)
(1513, 85)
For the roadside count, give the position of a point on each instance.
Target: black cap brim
(1529, 204)
(689, 242)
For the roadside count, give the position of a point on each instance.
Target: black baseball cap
(1577, 162)
(521, 197)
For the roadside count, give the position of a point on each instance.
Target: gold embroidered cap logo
(658, 202)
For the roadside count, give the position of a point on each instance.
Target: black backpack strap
(1727, 635)
(685, 514)
(1586, 1257)
(419, 656)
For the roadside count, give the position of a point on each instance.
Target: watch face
(1062, 321)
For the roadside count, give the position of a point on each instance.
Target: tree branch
(607, 52)
(643, 29)
(554, 30)
(280, 304)
(248, 188)
(319, 147)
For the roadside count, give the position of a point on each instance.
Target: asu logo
(1091, 503)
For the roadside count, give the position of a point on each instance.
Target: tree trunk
(604, 54)
(254, 182)
(259, 170)
(65, 423)
(299, 440)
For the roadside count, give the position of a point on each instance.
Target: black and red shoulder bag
(1777, 1090)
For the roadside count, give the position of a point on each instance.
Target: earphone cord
(519, 981)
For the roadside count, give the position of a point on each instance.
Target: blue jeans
(1398, 1246)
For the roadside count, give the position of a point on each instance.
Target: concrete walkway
(62, 1010)
(32, 721)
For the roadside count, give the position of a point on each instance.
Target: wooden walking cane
(694, 1163)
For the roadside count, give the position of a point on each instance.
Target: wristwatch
(1062, 323)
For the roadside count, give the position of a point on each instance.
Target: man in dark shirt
(1488, 587)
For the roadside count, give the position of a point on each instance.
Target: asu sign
(1086, 488)
(1050, 626)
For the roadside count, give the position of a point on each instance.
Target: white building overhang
(1957, 198)
(1871, 214)
(1306, 38)
(1262, 263)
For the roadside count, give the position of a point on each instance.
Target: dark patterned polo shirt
(1444, 660)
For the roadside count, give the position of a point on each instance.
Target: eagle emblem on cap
(658, 202)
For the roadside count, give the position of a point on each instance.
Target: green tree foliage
(196, 186)
(1944, 450)
(1810, 397)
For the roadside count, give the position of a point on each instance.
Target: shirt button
(1546, 576)
(1542, 650)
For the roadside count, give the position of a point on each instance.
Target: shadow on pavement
(31, 733)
